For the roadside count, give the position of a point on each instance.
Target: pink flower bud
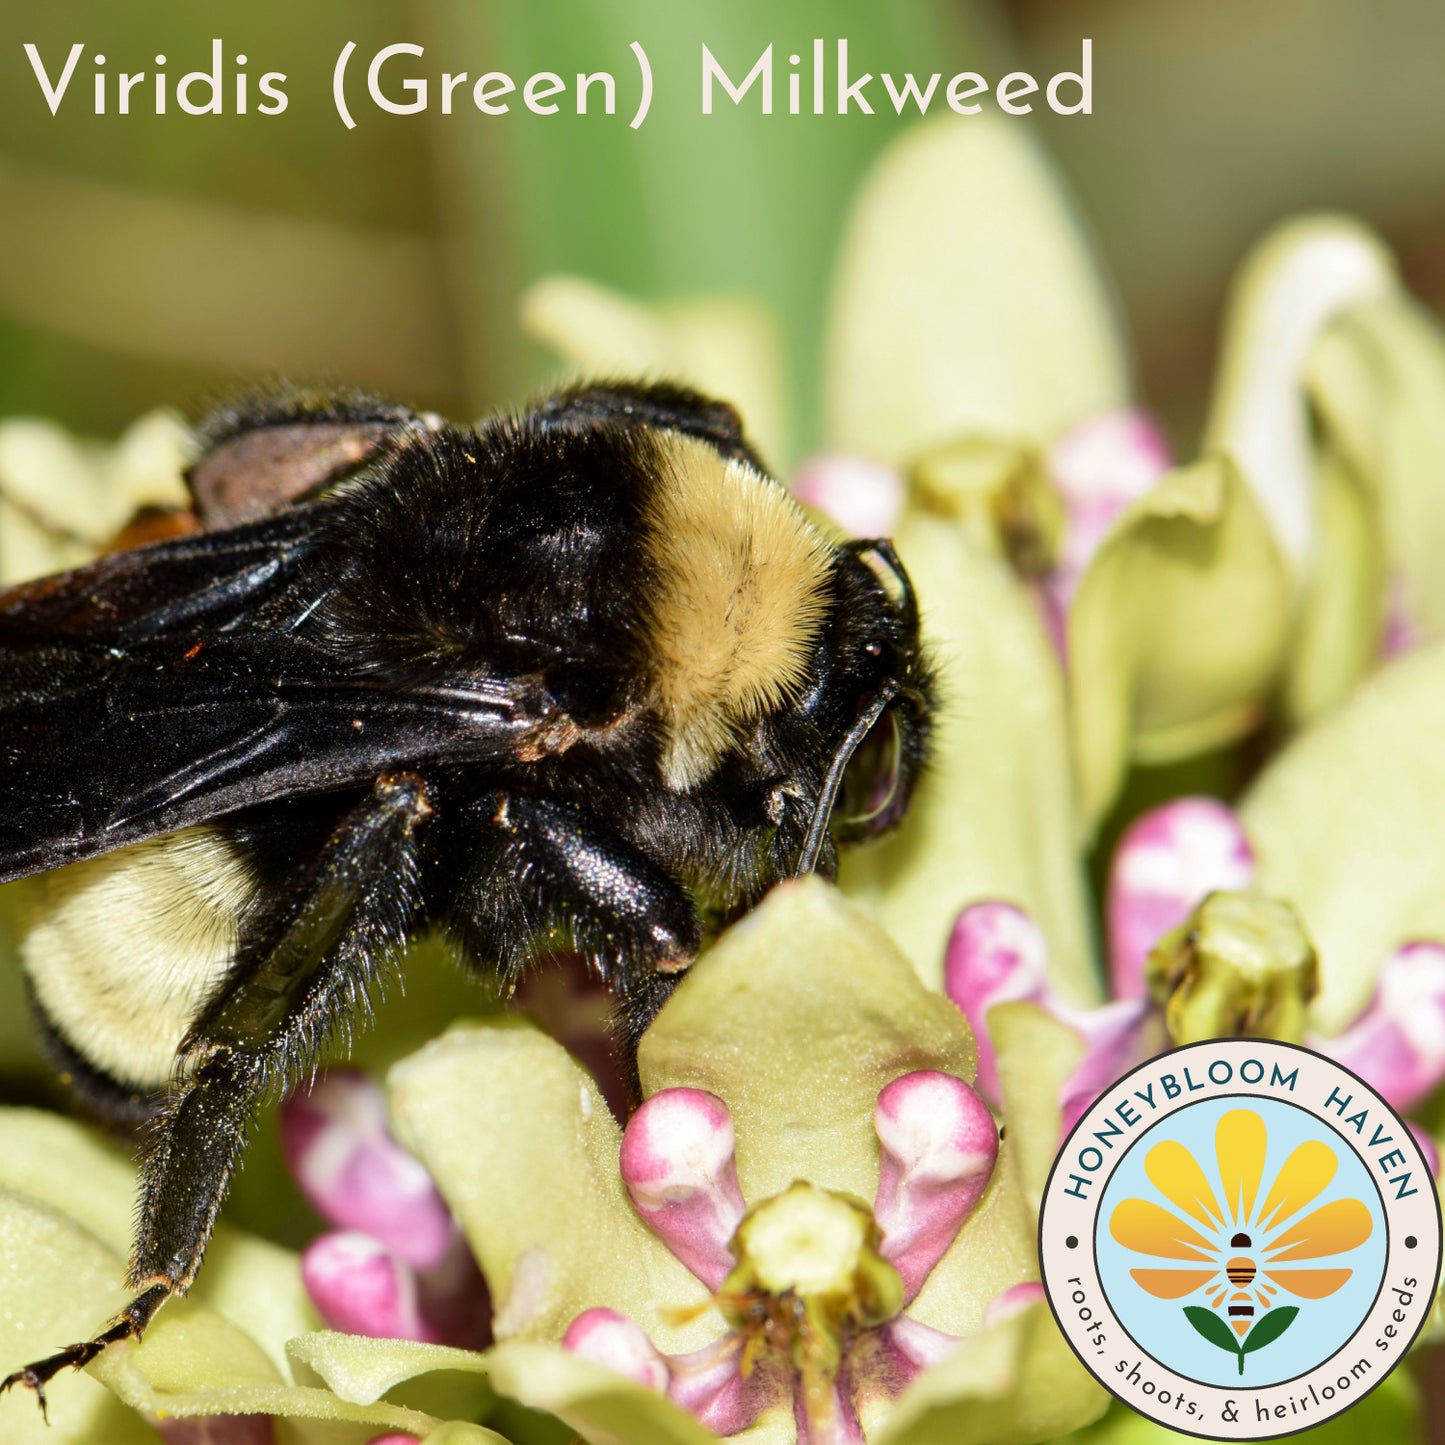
(396, 1437)
(1108, 460)
(357, 1176)
(1099, 467)
(937, 1147)
(1398, 1043)
(608, 1338)
(678, 1165)
(1004, 1306)
(864, 498)
(359, 1286)
(1165, 864)
(996, 954)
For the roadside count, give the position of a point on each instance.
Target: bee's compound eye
(871, 779)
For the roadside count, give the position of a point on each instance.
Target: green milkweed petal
(1178, 629)
(993, 815)
(1346, 824)
(966, 299)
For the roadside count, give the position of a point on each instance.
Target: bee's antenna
(833, 778)
(886, 553)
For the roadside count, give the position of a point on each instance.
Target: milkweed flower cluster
(812, 1285)
(1197, 953)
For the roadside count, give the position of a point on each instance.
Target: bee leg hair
(300, 972)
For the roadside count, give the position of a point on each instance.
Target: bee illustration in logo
(1239, 1253)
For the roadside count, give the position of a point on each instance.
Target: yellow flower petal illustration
(1176, 1174)
(1140, 1225)
(1171, 1283)
(1341, 1225)
(1300, 1180)
(1239, 1142)
(1310, 1283)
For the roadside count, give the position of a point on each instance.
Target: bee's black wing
(171, 684)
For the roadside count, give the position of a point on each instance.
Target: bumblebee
(581, 680)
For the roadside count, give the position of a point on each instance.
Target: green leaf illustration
(1212, 1328)
(1270, 1327)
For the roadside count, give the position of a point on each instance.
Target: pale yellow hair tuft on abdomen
(739, 596)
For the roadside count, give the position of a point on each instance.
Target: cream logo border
(1242, 1071)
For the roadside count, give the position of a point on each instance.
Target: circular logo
(1240, 1239)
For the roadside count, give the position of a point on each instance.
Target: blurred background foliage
(148, 259)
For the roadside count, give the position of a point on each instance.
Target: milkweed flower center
(809, 1277)
(815, 1243)
(812, 1284)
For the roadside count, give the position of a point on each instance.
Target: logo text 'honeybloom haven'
(1240, 1239)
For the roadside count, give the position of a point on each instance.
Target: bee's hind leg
(302, 970)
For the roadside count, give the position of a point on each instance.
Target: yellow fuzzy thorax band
(741, 576)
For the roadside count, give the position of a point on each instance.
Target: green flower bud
(1001, 493)
(1240, 965)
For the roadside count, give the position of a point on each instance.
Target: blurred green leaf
(60, 1283)
(1342, 610)
(1377, 376)
(1290, 286)
(735, 203)
(727, 349)
(255, 1284)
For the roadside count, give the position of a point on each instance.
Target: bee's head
(871, 701)
(781, 667)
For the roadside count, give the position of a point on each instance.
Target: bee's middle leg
(546, 876)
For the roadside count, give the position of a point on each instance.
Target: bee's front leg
(302, 967)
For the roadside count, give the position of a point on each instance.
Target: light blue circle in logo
(1162, 1329)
